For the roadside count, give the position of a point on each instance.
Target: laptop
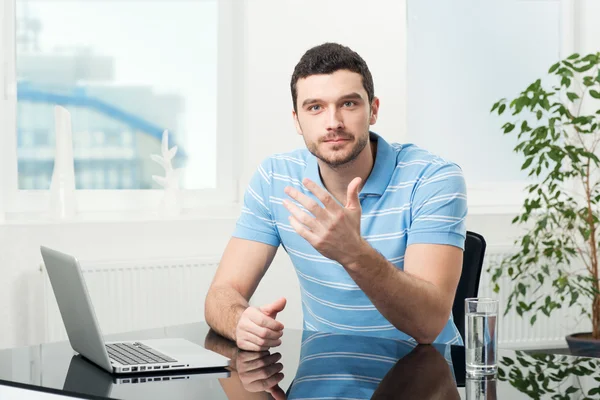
(84, 377)
(128, 357)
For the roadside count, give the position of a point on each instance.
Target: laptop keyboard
(136, 353)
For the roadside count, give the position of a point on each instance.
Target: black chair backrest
(468, 285)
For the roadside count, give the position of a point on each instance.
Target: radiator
(130, 295)
(516, 332)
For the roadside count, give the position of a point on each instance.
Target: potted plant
(558, 133)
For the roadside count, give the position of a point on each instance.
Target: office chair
(468, 285)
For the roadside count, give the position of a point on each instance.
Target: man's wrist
(238, 310)
(357, 259)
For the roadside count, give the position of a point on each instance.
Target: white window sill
(223, 213)
(32, 218)
(494, 209)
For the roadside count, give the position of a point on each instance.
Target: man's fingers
(260, 341)
(275, 307)
(303, 231)
(264, 333)
(308, 203)
(321, 194)
(272, 381)
(353, 201)
(305, 219)
(260, 374)
(260, 362)
(249, 356)
(264, 321)
(277, 392)
(250, 346)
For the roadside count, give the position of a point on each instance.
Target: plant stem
(594, 254)
(591, 223)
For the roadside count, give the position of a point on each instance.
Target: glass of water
(481, 336)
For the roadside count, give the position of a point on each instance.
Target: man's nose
(334, 120)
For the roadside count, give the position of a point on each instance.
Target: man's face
(334, 116)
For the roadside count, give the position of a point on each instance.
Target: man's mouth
(337, 140)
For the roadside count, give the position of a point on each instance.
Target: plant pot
(582, 344)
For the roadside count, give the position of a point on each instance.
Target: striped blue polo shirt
(411, 196)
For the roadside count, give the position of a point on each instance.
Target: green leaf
(585, 68)
(539, 114)
(574, 296)
(572, 96)
(595, 94)
(533, 319)
(573, 56)
(508, 127)
(501, 109)
(527, 163)
(507, 361)
(554, 67)
(594, 391)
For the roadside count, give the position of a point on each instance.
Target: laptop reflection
(83, 377)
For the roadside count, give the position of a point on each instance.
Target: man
(375, 230)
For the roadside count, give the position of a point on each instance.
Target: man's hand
(334, 231)
(257, 329)
(260, 371)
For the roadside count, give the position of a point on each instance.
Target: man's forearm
(412, 305)
(223, 308)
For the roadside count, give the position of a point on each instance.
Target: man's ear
(297, 123)
(374, 111)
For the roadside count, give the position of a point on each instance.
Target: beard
(336, 157)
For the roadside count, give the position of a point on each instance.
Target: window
(126, 70)
(463, 56)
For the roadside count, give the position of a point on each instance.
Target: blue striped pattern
(410, 197)
(337, 366)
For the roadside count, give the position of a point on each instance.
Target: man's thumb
(352, 200)
(275, 307)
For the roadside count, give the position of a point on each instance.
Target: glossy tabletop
(307, 365)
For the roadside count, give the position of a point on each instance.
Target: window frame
(229, 130)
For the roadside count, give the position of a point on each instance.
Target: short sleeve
(439, 207)
(256, 221)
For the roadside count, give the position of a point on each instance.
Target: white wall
(279, 32)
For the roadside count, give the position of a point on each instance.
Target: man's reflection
(254, 375)
(342, 366)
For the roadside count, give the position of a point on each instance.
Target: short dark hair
(328, 58)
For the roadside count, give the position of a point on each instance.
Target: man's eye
(349, 104)
(316, 107)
